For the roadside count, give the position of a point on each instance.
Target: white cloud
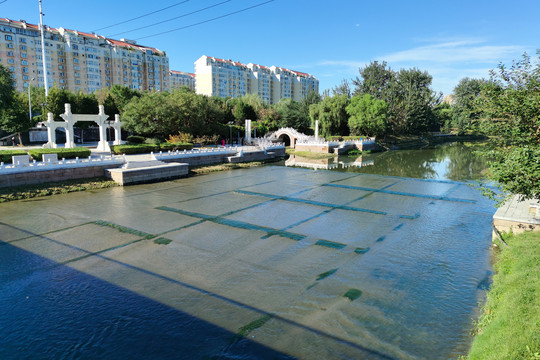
(467, 50)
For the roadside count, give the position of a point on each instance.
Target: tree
(122, 95)
(510, 105)
(344, 88)
(465, 112)
(332, 116)
(292, 114)
(407, 93)
(367, 115)
(14, 115)
(243, 111)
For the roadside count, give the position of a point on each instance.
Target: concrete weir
(147, 171)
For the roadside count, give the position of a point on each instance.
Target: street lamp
(230, 131)
(30, 101)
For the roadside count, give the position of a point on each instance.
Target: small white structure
(248, 132)
(70, 119)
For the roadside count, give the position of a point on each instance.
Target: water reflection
(452, 161)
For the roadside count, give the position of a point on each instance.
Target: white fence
(61, 164)
(179, 154)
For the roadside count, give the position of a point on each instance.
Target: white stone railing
(62, 164)
(178, 154)
(266, 143)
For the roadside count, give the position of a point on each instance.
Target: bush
(63, 153)
(134, 149)
(175, 146)
(5, 155)
(207, 139)
(135, 139)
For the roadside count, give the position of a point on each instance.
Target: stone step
(142, 164)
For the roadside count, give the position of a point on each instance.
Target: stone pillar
(248, 131)
(103, 145)
(317, 130)
(68, 118)
(51, 132)
(117, 130)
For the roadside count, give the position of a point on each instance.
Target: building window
(23, 47)
(10, 45)
(11, 61)
(22, 40)
(9, 37)
(10, 53)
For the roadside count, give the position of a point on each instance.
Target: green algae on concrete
(124, 229)
(353, 294)
(330, 244)
(162, 241)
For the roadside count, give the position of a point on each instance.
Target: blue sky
(329, 39)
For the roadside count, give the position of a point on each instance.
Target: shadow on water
(63, 313)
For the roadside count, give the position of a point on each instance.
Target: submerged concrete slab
(147, 172)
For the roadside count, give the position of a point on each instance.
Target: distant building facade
(79, 61)
(227, 78)
(179, 79)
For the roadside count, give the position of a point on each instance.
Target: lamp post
(30, 101)
(230, 131)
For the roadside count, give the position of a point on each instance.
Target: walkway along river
(269, 262)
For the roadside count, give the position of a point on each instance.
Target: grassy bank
(510, 325)
(46, 189)
(309, 154)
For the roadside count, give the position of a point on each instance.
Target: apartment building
(179, 79)
(79, 61)
(227, 78)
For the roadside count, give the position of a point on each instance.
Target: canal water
(381, 257)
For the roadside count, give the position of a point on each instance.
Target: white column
(68, 118)
(103, 145)
(317, 130)
(51, 132)
(248, 131)
(117, 130)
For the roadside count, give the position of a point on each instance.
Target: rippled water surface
(270, 262)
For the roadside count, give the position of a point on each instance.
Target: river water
(383, 256)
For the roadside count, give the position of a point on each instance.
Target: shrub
(180, 138)
(175, 146)
(135, 139)
(134, 149)
(63, 153)
(5, 155)
(207, 139)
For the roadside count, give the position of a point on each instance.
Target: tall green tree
(293, 114)
(510, 105)
(332, 115)
(367, 115)
(14, 115)
(466, 113)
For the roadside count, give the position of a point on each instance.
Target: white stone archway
(70, 119)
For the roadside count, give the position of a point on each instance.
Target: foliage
(46, 189)
(408, 95)
(13, 106)
(206, 139)
(134, 149)
(243, 111)
(508, 328)
(465, 112)
(293, 114)
(166, 146)
(5, 155)
(63, 153)
(367, 115)
(510, 104)
(332, 115)
(180, 138)
(120, 96)
(344, 88)
(135, 139)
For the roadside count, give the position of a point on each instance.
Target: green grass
(510, 325)
(46, 189)
(314, 155)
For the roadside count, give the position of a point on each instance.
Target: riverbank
(63, 187)
(53, 188)
(417, 142)
(510, 325)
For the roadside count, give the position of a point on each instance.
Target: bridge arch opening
(285, 139)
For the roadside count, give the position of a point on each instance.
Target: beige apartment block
(79, 61)
(180, 79)
(227, 78)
